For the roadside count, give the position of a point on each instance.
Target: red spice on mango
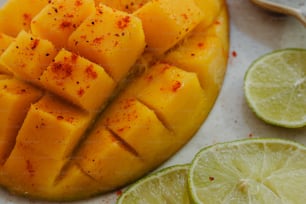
(78, 3)
(30, 168)
(61, 70)
(165, 67)
(81, 92)
(65, 24)
(74, 57)
(91, 72)
(60, 117)
(176, 85)
(98, 40)
(200, 44)
(27, 19)
(123, 23)
(185, 16)
(35, 44)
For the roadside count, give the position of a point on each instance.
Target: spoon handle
(299, 13)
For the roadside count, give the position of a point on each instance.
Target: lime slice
(249, 171)
(168, 186)
(275, 87)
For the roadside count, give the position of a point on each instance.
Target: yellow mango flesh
(124, 5)
(53, 127)
(45, 141)
(161, 88)
(107, 36)
(211, 9)
(5, 41)
(70, 185)
(16, 15)
(166, 23)
(97, 153)
(204, 53)
(78, 80)
(108, 98)
(28, 56)
(63, 17)
(33, 171)
(15, 100)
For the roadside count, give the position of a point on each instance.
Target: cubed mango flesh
(108, 160)
(28, 56)
(161, 88)
(70, 185)
(124, 5)
(204, 53)
(78, 80)
(211, 9)
(139, 127)
(110, 38)
(116, 88)
(63, 17)
(165, 23)
(16, 15)
(15, 101)
(33, 171)
(53, 127)
(5, 41)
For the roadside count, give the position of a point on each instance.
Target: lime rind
(168, 185)
(249, 171)
(286, 80)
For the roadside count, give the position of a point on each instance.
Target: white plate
(254, 32)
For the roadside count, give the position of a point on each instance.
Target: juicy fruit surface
(166, 186)
(249, 171)
(92, 98)
(275, 87)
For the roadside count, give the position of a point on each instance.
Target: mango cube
(28, 56)
(33, 171)
(16, 15)
(53, 127)
(110, 38)
(80, 81)
(218, 28)
(70, 185)
(211, 9)
(98, 155)
(161, 89)
(5, 41)
(63, 16)
(166, 23)
(128, 117)
(203, 56)
(16, 98)
(205, 53)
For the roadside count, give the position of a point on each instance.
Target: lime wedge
(168, 186)
(249, 171)
(275, 87)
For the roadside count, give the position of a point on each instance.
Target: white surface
(254, 32)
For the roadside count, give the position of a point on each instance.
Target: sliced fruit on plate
(245, 171)
(104, 98)
(249, 171)
(166, 186)
(275, 87)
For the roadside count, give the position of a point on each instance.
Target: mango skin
(140, 123)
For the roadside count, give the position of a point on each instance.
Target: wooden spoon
(296, 8)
